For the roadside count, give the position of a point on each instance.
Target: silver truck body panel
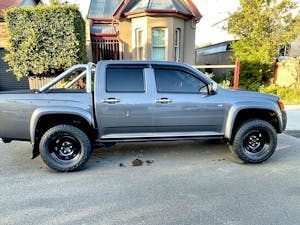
(20, 112)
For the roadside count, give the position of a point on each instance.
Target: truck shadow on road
(182, 152)
(157, 154)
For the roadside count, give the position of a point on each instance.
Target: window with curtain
(177, 42)
(139, 44)
(159, 39)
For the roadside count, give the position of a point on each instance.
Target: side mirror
(212, 88)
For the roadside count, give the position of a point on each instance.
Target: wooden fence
(236, 67)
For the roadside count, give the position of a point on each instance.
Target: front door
(183, 106)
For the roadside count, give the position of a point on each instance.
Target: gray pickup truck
(133, 101)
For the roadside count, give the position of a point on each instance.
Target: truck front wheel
(65, 148)
(254, 142)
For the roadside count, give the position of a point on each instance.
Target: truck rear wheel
(255, 141)
(65, 148)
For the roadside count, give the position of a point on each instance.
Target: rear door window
(125, 79)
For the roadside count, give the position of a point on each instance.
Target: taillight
(281, 105)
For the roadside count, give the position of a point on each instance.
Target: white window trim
(177, 43)
(137, 41)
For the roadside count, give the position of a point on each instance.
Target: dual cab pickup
(126, 101)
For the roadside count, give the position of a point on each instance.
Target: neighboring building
(143, 30)
(216, 54)
(287, 71)
(8, 80)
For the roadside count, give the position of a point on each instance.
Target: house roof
(100, 9)
(5, 4)
(153, 5)
(215, 48)
(103, 29)
(107, 9)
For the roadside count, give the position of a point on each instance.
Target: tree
(54, 2)
(59, 2)
(261, 27)
(44, 40)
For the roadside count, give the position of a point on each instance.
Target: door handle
(111, 100)
(163, 100)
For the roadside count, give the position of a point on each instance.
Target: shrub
(44, 40)
(289, 95)
(225, 80)
(254, 74)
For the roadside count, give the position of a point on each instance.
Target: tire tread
(84, 140)
(237, 152)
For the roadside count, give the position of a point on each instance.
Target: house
(8, 80)
(142, 30)
(287, 69)
(215, 54)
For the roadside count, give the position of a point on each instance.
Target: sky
(209, 30)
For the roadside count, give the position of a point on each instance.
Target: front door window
(178, 81)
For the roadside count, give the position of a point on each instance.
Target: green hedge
(44, 40)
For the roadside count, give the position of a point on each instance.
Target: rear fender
(38, 113)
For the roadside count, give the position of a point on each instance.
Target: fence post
(236, 74)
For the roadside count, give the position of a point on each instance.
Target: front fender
(237, 107)
(38, 113)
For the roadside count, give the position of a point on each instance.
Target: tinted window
(177, 81)
(125, 80)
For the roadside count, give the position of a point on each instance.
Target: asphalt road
(188, 183)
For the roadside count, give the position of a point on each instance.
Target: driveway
(188, 183)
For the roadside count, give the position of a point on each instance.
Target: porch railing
(106, 48)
